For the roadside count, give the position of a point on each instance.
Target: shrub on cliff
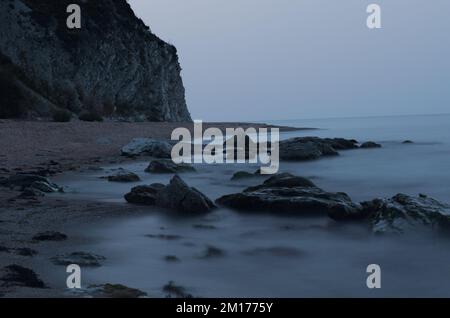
(61, 116)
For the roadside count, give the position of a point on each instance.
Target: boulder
(16, 275)
(33, 181)
(286, 194)
(177, 195)
(114, 291)
(403, 213)
(50, 236)
(168, 166)
(370, 144)
(123, 175)
(245, 175)
(149, 147)
(79, 258)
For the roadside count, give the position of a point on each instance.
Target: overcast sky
(285, 59)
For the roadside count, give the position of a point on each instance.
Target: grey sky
(285, 59)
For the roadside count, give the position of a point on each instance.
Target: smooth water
(267, 256)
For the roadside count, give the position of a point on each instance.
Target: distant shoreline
(28, 146)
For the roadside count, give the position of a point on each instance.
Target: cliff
(113, 65)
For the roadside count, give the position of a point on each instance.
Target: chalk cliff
(113, 65)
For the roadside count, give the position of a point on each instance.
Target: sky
(250, 60)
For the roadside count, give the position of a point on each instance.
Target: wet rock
(174, 290)
(168, 166)
(145, 195)
(204, 227)
(305, 148)
(212, 252)
(408, 142)
(403, 213)
(25, 251)
(149, 147)
(32, 181)
(370, 144)
(16, 275)
(166, 237)
(277, 251)
(245, 175)
(177, 195)
(79, 258)
(50, 236)
(123, 175)
(171, 258)
(288, 194)
(114, 291)
(31, 193)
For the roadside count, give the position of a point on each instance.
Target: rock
(177, 195)
(408, 142)
(50, 236)
(25, 251)
(212, 252)
(305, 148)
(32, 181)
(123, 175)
(114, 291)
(31, 193)
(149, 147)
(204, 227)
(114, 62)
(173, 290)
(278, 251)
(79, 258)
(403, 213)
(171, 258)
(16, 275)
(166, 237)
(168, 166)
(370, 144)
(288, 194)
(145, 194)
(245, 175)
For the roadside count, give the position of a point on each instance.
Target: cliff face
(113, 64)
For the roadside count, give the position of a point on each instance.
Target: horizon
(307, 69)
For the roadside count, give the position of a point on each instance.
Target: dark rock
(31, 193)
(114, 291)
(168, 166)
(408, 142)
(32, 181)
(403, 213)
(370, 144)
(16, 275)
(113, 63)
(50, 236)
(123, 176)
(145, 194)
(79, 258)
(173, 290)
(288, 194)
(277, 251)
(204, 227)
(171, 258)
(177, 195)
(212, 252)
(245, 175)
(166, 237)
(25, 251)
(149, 147)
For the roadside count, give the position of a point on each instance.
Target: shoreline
(52, 148)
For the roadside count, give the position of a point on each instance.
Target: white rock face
(113, 62)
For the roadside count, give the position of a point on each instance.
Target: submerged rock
(403, 213)
(177, 195)
(114, 291)
(50, 236)
(310, 148)
(149, 147)
(174, 290)
(16, 275)
(407, 142)
(288, 194)
(168, 166)
(123, 175)
(370, 144)
(79, 258)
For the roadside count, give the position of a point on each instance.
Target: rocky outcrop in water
(147, 146)
(285, 194)
(310, 148)
(177, 196)
(114, 65)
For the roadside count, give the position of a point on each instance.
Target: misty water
(270, 256)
